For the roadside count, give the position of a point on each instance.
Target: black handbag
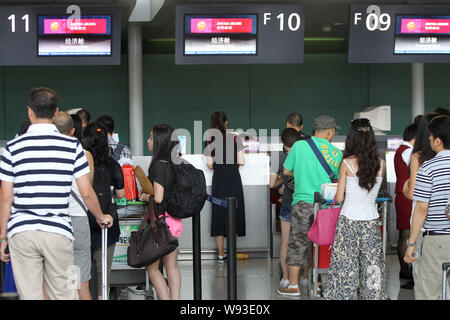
(152, 241)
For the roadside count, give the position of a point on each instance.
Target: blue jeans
(285, 212)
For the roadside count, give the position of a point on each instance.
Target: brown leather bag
(152, 241)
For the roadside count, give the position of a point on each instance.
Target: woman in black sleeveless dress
(225, 158)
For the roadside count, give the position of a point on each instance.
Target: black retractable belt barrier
(197, 257)
(231, 204)
(231, 248)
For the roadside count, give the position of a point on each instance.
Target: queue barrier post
(197, 266)
(231, 248)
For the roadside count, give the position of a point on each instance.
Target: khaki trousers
(435, 251)
(39, 258)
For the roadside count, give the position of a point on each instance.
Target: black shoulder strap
(321, 160)
(117, 152)
(78, 200)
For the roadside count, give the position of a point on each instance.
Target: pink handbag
(322, 230)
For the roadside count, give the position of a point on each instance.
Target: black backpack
(102, 188)
(188, 194)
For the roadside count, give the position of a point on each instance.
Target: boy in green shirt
(309, 175)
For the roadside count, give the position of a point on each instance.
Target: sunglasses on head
(362, 124)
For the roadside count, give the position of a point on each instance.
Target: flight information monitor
(422, 35)
(61, 36)
(239, 33)
(220, 34)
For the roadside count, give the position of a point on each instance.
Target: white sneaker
(293, 292)
(284, 283)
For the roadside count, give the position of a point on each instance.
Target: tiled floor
(257, 279)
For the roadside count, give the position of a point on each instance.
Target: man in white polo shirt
(432, 191)
(37, 170)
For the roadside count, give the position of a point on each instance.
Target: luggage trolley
(445, 267)
(322, 254)
(123, 276)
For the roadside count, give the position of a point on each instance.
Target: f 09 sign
(400, 33)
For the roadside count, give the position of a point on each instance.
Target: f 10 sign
(238, 34)
(399, 34)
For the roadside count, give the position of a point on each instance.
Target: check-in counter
(255, 179)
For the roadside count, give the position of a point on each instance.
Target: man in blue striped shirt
(432, 191)
(37, 170)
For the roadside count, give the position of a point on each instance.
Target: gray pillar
(417, 90)
(135, 98)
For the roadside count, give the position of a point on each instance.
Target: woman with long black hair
(224, 154)
(357, 267)
(422, 152)
(162, 176)
(96, 142)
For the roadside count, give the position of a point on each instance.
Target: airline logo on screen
(79, 26)
(222, 25)
(425, 26)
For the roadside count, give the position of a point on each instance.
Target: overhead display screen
(220, 34)
(399, 34)
(61, 36)
(422, 35)
(239, 33)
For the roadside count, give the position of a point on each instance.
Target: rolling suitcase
(104, 263)
(445, 267)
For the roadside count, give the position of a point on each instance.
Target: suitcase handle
(104, 262)
(445, 266)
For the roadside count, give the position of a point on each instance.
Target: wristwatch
(409, 244)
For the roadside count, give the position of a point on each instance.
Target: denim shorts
(285, 212)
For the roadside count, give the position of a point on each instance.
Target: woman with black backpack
(162, 176)
(107, 174)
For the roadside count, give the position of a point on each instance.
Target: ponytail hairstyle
(422, 144)
(218, 120)
(361, 143)
(95, 140)
(163, 145)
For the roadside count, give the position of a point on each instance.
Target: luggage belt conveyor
(383, 199)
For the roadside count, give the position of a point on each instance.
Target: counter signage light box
(220, 34)
(422, 35)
